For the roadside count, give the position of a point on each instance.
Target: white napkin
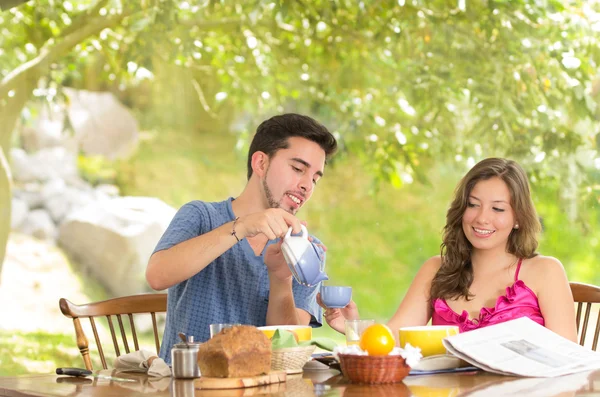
(138, 362)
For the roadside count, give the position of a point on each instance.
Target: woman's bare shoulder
(542, 270)
(432, 265)
(544, 263)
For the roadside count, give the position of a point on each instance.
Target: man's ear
(260, 163)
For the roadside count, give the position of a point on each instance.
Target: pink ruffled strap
(518, 268)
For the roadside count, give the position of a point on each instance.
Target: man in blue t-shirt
(221, 261)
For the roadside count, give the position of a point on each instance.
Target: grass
(178, 168)
(38, 352)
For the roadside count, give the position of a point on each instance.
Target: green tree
(404, 82)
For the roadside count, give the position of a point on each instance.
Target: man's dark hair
(272, 135)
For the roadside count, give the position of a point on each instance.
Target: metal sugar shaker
(184, 359)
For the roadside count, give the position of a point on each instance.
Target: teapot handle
(304, 232)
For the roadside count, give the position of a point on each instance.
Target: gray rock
(108, 190)
(102, 125)
(30, 193)
(46, 164)
(19, 160)
(114, 239)
(19, 210)
(53, 187)
(47, 130)
(78, 183)
(69, 200)
(38, 223)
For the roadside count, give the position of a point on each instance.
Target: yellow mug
(428, 338)
(302, 332)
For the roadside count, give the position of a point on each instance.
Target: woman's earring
(516, 226)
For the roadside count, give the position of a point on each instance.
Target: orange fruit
(377, 340)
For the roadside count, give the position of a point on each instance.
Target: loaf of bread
(235, 352)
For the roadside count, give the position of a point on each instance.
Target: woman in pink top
(488, 271)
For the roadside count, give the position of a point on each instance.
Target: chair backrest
(149, 304)
(586, 295)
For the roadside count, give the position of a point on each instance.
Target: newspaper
(522, 347)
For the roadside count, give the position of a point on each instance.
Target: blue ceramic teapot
(304, 258)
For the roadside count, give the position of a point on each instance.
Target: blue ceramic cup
(335, 297)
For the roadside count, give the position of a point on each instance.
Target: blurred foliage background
(416, 91)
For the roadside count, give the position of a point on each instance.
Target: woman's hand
(336, 318)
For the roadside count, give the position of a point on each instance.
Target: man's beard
(271, 200)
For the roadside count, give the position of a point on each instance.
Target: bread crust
(235, 352)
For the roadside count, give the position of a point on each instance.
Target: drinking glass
(354, 329)
(216, 328)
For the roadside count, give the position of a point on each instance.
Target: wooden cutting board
(239, 383)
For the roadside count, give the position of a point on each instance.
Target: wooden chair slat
(586, 295)
(578, 315)
(98, 344)
(586, 318)
(129, 305)
(133, 334)
(155, 333)
(113, 335)
(123, 334)
(596, 333)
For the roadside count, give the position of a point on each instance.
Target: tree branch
(82, 18)
(50, 52)
(7, 4)
(5, 204)
(202, 99)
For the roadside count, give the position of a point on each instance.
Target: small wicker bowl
(291, 359)
(373, 369)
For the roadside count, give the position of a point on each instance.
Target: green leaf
(590, 103)
(140, 24)
(395, 180)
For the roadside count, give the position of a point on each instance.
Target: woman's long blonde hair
(455, 275)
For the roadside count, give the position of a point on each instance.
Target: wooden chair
(128, 305)
(586, 294)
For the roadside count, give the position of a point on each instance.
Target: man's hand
(273, 223)
(275, 262)
(336, 318)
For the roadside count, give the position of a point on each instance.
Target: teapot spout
(322, 276)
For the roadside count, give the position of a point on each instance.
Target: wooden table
(311, 383)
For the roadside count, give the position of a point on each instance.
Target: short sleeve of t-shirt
(190, 221)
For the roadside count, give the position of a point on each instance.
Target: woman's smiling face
(489, 218)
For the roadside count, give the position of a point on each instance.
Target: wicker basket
(291, 359)
(373, 369)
